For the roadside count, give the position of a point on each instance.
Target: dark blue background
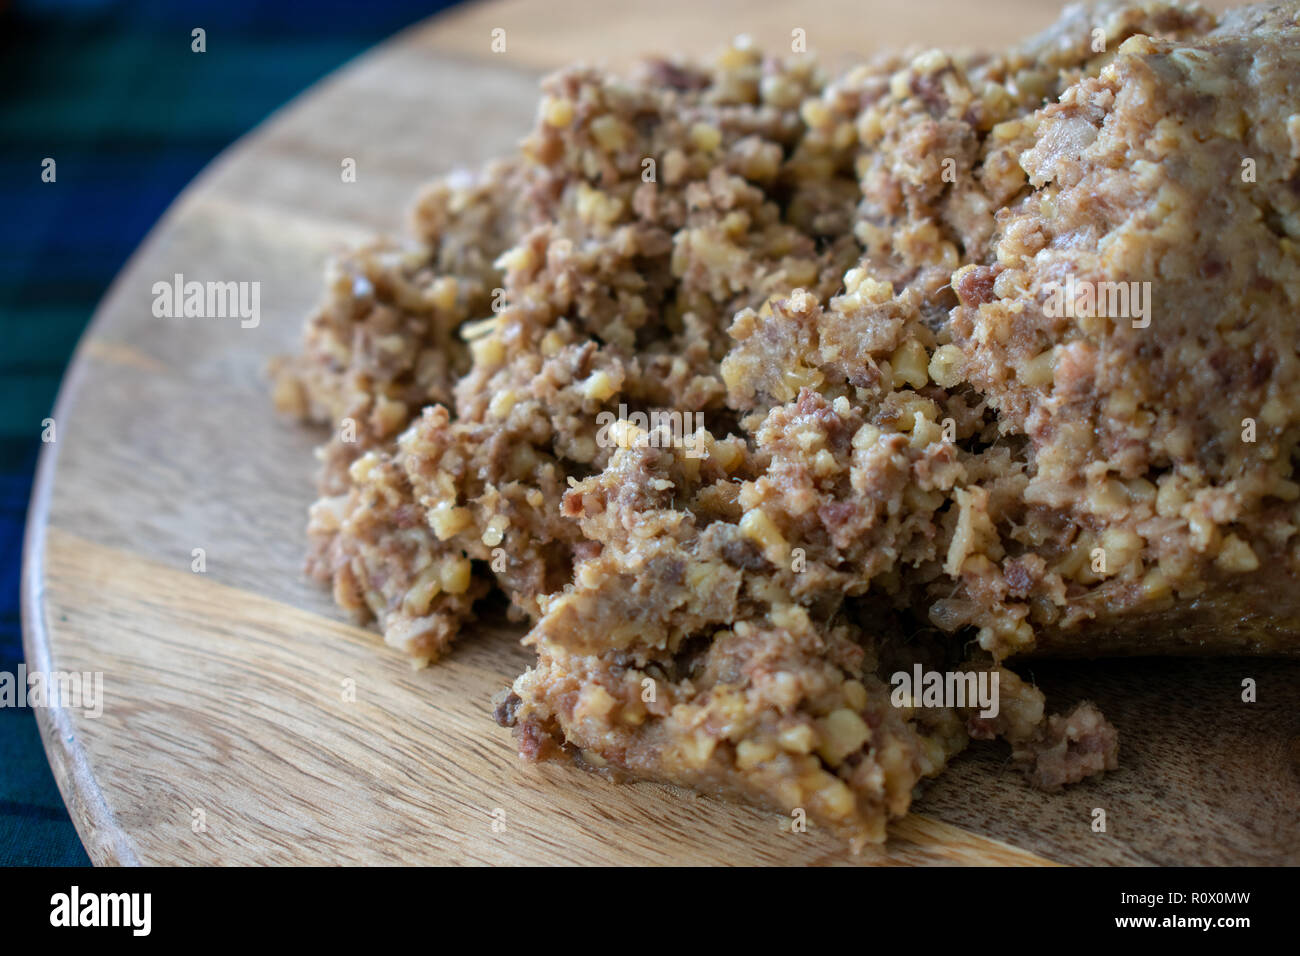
(112, 91)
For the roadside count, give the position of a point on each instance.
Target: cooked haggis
(748, 388)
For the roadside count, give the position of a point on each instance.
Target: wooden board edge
(105, 842)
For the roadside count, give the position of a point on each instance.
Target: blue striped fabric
(112, 92)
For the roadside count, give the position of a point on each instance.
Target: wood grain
(227, 691)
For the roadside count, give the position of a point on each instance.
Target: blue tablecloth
(113, 93)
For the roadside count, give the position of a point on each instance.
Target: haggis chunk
(746, 386)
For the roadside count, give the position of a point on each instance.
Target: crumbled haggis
(907, 450)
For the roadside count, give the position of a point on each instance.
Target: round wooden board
(244, 723)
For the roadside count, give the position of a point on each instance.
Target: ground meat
(507, 709)
(1068, 749)
(746, 387)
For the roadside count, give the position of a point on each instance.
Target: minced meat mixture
(749, 388)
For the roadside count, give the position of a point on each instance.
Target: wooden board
(244, 723)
